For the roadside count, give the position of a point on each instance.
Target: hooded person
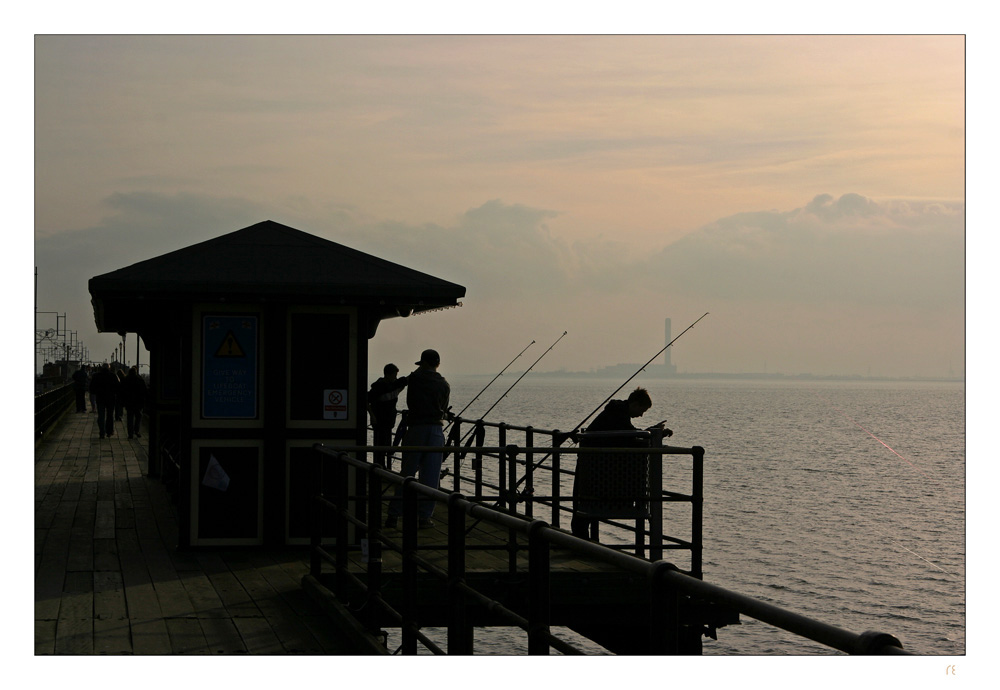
(382, 398)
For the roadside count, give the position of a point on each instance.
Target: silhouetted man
(427, 395)
(105, 386)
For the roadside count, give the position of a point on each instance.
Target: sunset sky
(807, 191)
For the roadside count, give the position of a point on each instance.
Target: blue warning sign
(229, 367)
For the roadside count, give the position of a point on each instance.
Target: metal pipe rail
(654, 536)
(50, 406)
(511, 458)
(666, 584)
(459, 633)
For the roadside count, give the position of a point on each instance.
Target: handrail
(666, 582)
(51, 405)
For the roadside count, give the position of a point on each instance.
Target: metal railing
(51, 405)
(361, 509)
(523, 469)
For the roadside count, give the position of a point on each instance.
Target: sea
(841, 500)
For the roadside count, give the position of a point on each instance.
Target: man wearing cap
(427, 395)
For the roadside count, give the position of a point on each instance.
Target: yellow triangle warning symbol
(230, 347)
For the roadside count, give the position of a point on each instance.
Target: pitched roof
(271, 260)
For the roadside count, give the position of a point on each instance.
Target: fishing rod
(483, 416)
(564, 435)
(490, 383)
(640, 370)
(523, 375)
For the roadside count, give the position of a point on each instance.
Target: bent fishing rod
(483, 416)
(565, 435)
(490, 383)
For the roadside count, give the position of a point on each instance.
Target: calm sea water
(842, 501)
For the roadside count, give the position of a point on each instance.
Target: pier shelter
(258, 343)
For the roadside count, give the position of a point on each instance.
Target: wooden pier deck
(110, 581)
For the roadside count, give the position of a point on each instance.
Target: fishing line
(522, 376)
(894, 452)
(491, 382)
(569, 434)
(853, 421)
(929, 562)
(566, 435)
(445, 471)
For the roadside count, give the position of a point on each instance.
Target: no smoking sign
(334, 404)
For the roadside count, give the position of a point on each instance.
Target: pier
(109, 578)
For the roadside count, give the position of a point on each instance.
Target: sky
(807, 191)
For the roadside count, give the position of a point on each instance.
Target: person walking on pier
(382, 409)
(119, 397)
(91, 392)
(80, 380)
(617, 415)
(105, 387)
(134, 398)
(427, 396)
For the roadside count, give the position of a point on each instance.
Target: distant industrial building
(667, 368)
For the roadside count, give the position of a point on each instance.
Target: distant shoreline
(625, 371)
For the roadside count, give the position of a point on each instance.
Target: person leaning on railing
(617, 415)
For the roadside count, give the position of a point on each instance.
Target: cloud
(850, 250)
(839, 261)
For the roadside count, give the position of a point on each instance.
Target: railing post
(456, 458)
(316, 515)
(529, 473)
(502, 470)
(512, 478)
(697, 503)
(539, 604)
(509, 453)
(556, 481)
(478, 461)
(341, 491)
(410, 591)
(664, 612)
(372, 535)
(656, 497)
(460, 633)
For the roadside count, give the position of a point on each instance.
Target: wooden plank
(204, 599)
(293, 635)
(124, 514)
(109, 596)
(222, 637)
(112, 636)
(141, 601)
(234, 597)
(150, 636)
(104, 521)
(81, 550)
(173, 600)
(186, 636)
(106, 555)
(258, 636)
(75, 625)
(45, 636)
